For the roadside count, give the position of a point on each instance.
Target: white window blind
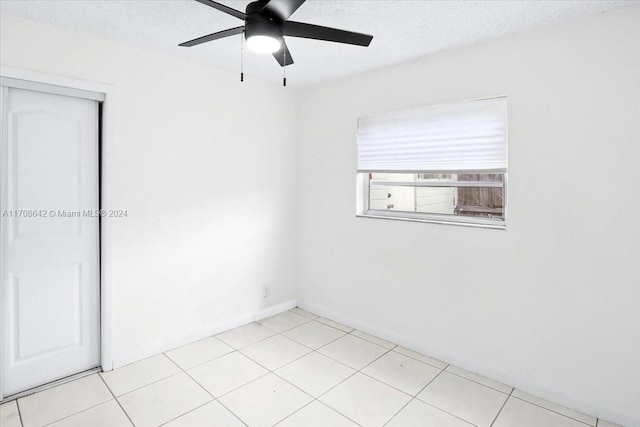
(461, 136)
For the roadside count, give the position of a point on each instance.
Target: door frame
(106, 180)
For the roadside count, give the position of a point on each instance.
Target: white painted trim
(106, 183)
(204, 333)
(52, 79)
(47, 88)
(3, 315)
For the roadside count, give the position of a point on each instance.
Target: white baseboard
(470, 365)
(148, 351)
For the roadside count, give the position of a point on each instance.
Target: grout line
(205, 362)
(259, 341)
(371, 341)
(295, 412)
(312, 351)
(478, 382)
(446, 412)
(141, 387)
(188, 412)
(323, 345)
(19, 412)
(116, 399)
(240, 386)
(556, 412)
(232, 413)
(77, 412)
(307, 320)
(388, 385)
(357, 371)
(415, 358)
(338, 412)
(172, 362)
(398, 411)
(434, 406)
(317, 399)
(302, 309)
(501, 408)
(413, 397)
(193, 379)
(199, 385)
(338, 323)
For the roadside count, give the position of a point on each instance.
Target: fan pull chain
(284, 68)
(242, 57)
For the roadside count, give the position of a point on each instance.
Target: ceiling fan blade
(309, 31)
(222, 8)
(214, 36)
(281, 56)
(283, 9)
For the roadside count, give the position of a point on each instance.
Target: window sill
(501, 226)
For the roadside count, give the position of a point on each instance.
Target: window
(445, 164)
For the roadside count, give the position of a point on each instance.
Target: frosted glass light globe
(263, 44)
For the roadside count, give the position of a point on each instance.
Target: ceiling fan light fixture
(263, 44)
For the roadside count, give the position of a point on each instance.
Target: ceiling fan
(266, 23)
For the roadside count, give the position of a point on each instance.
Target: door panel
(45, 176)
(49, 256)
(46, 328)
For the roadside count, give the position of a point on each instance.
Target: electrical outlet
(265, 291)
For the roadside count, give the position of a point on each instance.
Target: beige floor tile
(556, 408)
(245, 335)
(108, 414)
(365, 400)
(304, 313)
(9, 416)
(421, 357)
(479, 379)
(315, 374)
(314, 334)
(353, 351)
(284, 321)
(420, 414)
(213, 414)
(373, 339)
(602, 423)
(336, 325)
(139, 374)
(317, 414)
(265, 401)
(518, 413)
(226, 373)
(402, 372)
(275, 352)
(62, 401)
(164, 400)
(473, 402)
(199, 352)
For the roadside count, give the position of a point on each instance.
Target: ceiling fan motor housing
(261, 24)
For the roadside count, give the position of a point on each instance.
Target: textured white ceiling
(402, 29)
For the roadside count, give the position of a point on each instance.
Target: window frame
(363, 211)
(363, 181)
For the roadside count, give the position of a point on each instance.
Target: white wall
(552, 304)
(203, 164)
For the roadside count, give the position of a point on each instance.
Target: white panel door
(49, 259)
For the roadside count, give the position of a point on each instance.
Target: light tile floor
(292, 370)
